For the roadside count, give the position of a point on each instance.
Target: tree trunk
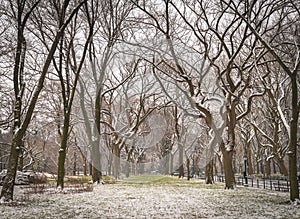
(96, 162)
(116, 161)
(84, 166)
(141, 168)
(9, 180)
(215, 165)
(268, 167)
(165, 164)
(282, 168)
(127, 169)
(96, 175)
(234, 163)
(75, 163)
(133, 168)
(188, 168)
(63, 151)
(294, 192)
(274, 167)
(249, 160)
(110, 161)
(128, 161)
(171, 163)
(228, 169)
(221, 164)
(21, 160)
(228, 150)
(17, 142)
(209, 172)
(262, 169)
(61, 169)
(84, 160)
(90, 169)
(127, 164)
(181, 168)
(257, 167)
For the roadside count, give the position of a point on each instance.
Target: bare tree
(281, 24)
(111, 16)
(6, 62)
(22, 12)
(68, 87)
(137, 99)
(189, 72)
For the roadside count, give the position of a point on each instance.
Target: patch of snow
(296, 202)
(270, 157)
(228, 148)
(2, 200)
(17, 130)
(4, 131)
(165, 201)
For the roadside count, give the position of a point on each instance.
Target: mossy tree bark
(63, 153)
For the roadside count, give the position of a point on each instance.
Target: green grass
(51, 181)
(142, 180)
(109, 179)
(77, 179)
(160, 180)
(69, 180)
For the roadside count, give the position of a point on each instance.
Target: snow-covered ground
(125, 200)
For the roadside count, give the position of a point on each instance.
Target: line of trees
(140, 81)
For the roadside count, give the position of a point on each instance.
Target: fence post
(264, 183)
(257, 183)
(271, 184)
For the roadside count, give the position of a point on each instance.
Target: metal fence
(282, 185)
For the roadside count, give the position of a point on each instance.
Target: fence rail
(269, 184)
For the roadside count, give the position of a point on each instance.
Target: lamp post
(245, 172)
